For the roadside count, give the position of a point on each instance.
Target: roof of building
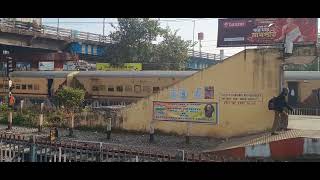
(135, 73)
(62, 74)
(302, 75)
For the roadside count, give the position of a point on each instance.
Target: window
(156, 89)
(23, 86)
(137, 88)
(102, 87)
(1, 86)
(95, 88)
(17, 86)
(119, 88)
(128, 88)
(35, 87)
(29, 86)
(110, 88)
(146, 89)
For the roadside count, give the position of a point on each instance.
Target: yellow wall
(251, 71)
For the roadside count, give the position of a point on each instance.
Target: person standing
(281, 117)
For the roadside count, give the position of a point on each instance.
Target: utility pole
(58, 26)
(104, 21)
(9, 70)
(194, 25)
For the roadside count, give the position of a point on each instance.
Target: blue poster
(198, 93)
(172, 93)
(183, 94)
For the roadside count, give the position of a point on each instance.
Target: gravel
(163, 143)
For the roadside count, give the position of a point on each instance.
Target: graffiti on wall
(186, 111)
(241, 98)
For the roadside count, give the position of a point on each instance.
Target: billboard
(186, 111)
(46, 66)
(266, 31)
(23, 66)
(125, 67)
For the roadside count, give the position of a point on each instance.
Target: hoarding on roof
(46, 66)
(238, 32)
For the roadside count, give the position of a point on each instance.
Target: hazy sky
(209, 26)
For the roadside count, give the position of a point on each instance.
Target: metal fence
(305, 111)
(17, 148)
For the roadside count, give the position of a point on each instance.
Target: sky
(209, 26)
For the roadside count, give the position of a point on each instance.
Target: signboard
(186, 111)
(69, 66)
(46, 66)
(125, 67)
(266, 31)
(23, 66)
(200, 36)
(241, 98)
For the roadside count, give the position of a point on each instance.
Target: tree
(172, 52)
(72, 100)
(133, 43)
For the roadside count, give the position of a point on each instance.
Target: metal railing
(55, 31)
(205, 55)
(305, 111)
(18, 148)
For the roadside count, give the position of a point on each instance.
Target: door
(50, 83)
(293, 93)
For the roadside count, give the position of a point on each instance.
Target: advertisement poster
(185, 111)
(241, 98)
(209, 92)
(124, 67)
(69, 66)
(237, 32)
(23, 66)
(46, 66)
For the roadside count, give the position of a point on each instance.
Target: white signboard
(46, 66)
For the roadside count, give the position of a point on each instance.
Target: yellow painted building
(241, 86)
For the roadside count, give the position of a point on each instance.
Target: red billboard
(266, 31)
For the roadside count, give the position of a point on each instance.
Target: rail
(55, 31)
(18, 148)
(205, 55)
(305, 111)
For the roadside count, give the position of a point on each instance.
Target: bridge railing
(305, 111)
(55, 31)
(205, 55)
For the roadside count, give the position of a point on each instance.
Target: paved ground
(304, 122)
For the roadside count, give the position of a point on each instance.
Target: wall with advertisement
(124, 67)
(241, 97)
(266, 31)
(23, 66)
(46, 66)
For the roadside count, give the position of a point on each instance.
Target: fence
(16, 148)
(305, 111)
(205, 55)
(55, 31)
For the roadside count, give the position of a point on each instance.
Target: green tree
(72, 100)
(172, 52)
(133, 39)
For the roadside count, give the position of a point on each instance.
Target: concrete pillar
(21, 105)
(151, 140)
(109, 128)
(10, 120)
(40, 122)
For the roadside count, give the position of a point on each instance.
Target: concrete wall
(250, 71)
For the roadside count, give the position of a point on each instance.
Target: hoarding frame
(275, 44)
(190, 121)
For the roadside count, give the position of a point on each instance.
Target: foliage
(4, 107)
(70, 98)
(133, 43)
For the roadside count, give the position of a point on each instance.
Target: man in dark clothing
(281, 117)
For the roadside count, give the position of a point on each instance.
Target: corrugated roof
(61, 74)
(301, 75)
(55, 74)
(135, 73)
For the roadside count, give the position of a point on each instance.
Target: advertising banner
(125, 67)
(46, 66)
(186, 111)
(266, 31)
(70, 66)
(23, 66)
